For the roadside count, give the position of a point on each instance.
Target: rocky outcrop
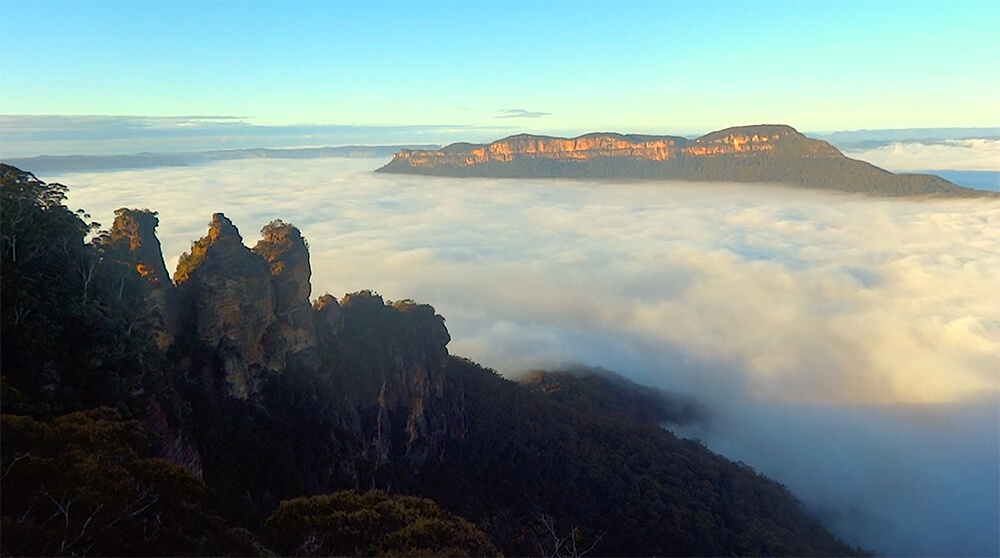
(763, 153)
(291, 339)
(368, 373)
(135, 260)
(403, 356)
(132, 243)
(328, 317)
(232, 298)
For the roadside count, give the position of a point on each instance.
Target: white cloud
(964, 154)
(844, 342)
(521, 113)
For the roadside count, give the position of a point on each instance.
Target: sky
(483, 67)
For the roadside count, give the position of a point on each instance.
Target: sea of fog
(848, 347)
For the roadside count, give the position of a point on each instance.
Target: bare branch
(567, 546)
(17, 457)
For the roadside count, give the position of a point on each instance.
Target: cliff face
(366, 375)
(291, 337)
(230, 292)
(398, 381)
(742, 141)
(135, 250)
(133, 241)
(243, 319)
(764, 153)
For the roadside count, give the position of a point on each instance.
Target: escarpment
(763, 153)
(734, 141)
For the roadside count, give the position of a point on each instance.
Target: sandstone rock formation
(733, 141)
(368, 373)
(764, 153)
(132, 240)
(232, 297)
(405, 359)
(291, 339)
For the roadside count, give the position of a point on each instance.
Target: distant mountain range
(86, 163)
(762, 153)
(868, 139)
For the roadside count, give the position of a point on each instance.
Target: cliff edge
(770, 153)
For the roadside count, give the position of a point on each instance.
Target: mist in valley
(848, 347)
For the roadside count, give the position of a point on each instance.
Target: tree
(89, 484)
(571, 545)
(371, 524)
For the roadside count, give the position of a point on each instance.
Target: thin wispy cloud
(521, 113)
(34, 135)
(794, 315)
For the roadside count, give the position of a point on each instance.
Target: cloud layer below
(963, 154)
(850, 347)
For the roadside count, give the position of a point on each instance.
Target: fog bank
(977, 154)
(848, 346)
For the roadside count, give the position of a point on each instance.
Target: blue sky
(660, 67)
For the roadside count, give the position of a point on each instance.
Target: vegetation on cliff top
(601, 392)
(371, 524)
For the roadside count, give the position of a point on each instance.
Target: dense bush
(371, 524)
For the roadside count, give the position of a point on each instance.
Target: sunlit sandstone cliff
(764, 153)
(733, 141)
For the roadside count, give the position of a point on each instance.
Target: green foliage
(189, 261)
(68, 326)
(89, 483)
(278, 238)
(372, 524)
(602, 392)
(641, 489)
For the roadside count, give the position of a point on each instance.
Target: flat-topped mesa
(584, 147)
(525, 146)
(772, 153)
(744, 140)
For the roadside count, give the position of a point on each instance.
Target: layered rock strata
(233, 301)
(764, 153)
(734, 141)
